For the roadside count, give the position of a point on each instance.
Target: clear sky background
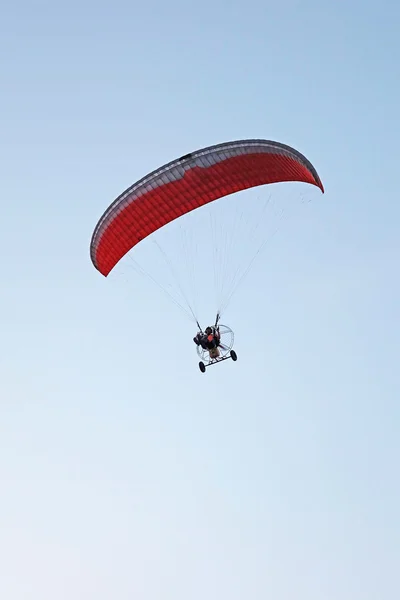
(124, 472)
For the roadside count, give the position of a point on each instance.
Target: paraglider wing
(189, 183)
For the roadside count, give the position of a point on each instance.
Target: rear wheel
(202, 367)
(233, 355)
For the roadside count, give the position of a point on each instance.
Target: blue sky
(124, 471)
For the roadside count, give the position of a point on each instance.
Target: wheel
(202, 367)
(233, 355)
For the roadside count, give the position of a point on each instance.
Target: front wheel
(233, 355)
(202, 367)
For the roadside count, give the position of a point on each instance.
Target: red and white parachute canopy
(188, 183)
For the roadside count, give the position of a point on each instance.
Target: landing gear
(212, 361)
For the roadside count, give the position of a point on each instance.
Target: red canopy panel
(188, 183)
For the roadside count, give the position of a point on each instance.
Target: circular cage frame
(227, 340)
